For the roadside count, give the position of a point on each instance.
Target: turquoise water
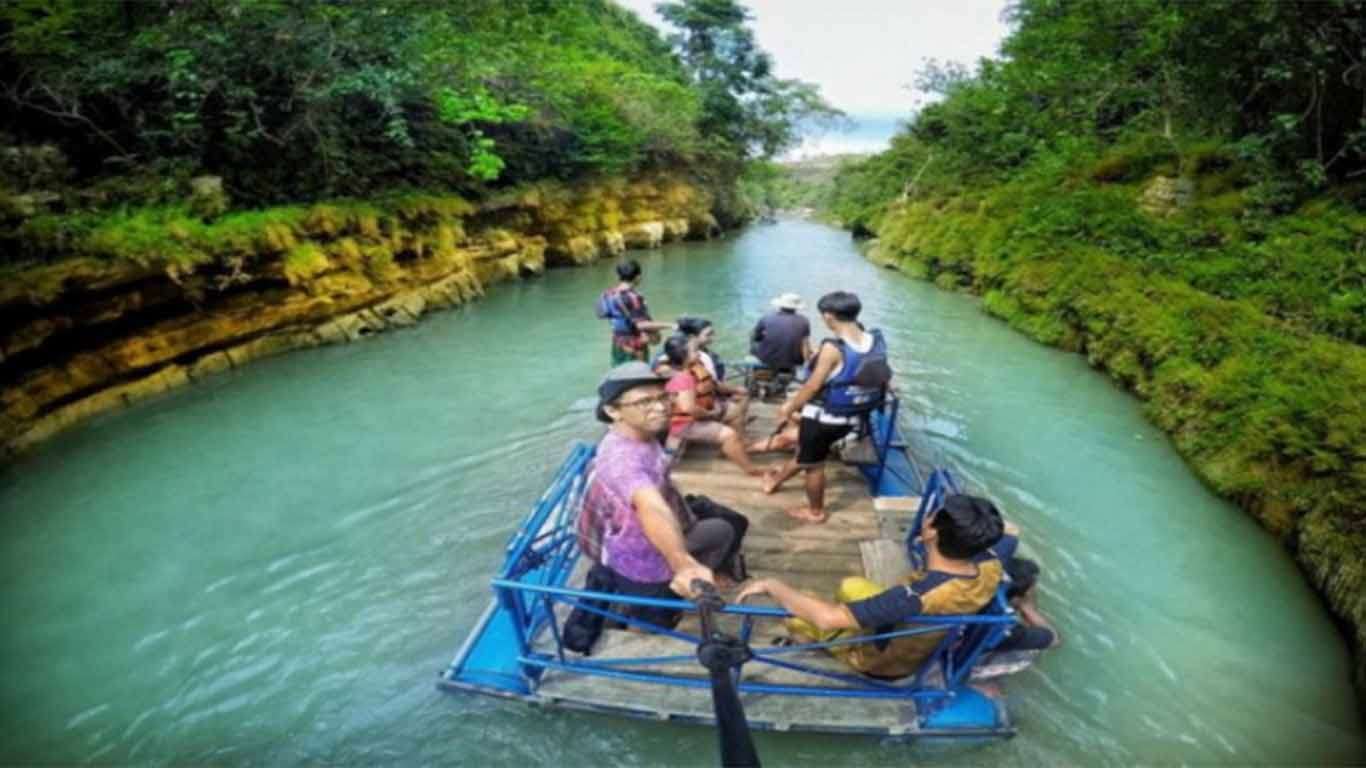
(272, 567)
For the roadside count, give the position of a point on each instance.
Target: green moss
(1137, 159)
(425, 211)
(379, 262)
(165, 235)
(324, 221)
(305, 261)
(1243, 348)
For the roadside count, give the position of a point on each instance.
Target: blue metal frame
(940, 484)
(502, 658)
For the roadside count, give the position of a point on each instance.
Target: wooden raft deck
(860, 538)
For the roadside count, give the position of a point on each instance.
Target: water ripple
(314, 534)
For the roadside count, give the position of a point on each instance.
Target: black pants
(714, 540)
(731, 564)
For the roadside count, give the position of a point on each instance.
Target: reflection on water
(273, 567)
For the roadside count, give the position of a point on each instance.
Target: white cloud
(865, 54)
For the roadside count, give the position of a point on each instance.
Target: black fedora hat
(620, 379)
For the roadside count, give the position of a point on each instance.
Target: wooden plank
(803, 562)
(776, 712)
(841, 527)
(723, 479)
(897, 504)
(764, 540)
(764, 712)
(838, 496)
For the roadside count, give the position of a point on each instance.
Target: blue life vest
(610, 308)
(861, 385)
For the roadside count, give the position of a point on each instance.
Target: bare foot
(807, 514)
(771, 483)
(763, 446)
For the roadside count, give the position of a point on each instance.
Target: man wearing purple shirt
(634, 521)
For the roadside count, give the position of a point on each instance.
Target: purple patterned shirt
(609, 528)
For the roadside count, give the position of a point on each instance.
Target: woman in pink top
(692, 419)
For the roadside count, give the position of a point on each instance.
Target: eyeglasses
(663, 400)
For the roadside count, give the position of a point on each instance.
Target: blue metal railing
(939, 485)
(543, 554)
(951, 655)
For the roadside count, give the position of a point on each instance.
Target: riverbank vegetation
(137, 119)
(1178, 191)
(189, 185)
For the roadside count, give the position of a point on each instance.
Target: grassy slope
(1230, 323)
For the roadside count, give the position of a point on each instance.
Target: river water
(272, 567)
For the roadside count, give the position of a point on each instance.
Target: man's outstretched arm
(660, 526)
(824, 614)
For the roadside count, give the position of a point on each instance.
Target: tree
(747, 113)
(297, 99)
(755, 113)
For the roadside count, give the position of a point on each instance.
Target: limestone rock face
(703, 227)
(403, 309)
(644, 235)
(1166, 195)
(84, 335)
(350, 327)
(531, 260)
(164, 380)
(450, 291)
(580, 250)
(675, 229)
(33, 334)
(210, 364)
(612, 242)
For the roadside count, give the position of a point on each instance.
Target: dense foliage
(119, 107)
(291, 100)
(1270, 412)
(1282, 84)
(1176, 190)
(748, 113)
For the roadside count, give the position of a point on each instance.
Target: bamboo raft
(654, 674)
(861, 538)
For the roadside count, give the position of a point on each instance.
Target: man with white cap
(782, 339)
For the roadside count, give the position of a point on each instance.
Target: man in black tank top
(819, 430)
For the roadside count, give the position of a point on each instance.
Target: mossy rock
(305, 261)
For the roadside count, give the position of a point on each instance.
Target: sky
(865, 54)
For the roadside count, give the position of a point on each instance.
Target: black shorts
(814, 439)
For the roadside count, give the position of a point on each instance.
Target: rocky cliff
(98, 328)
